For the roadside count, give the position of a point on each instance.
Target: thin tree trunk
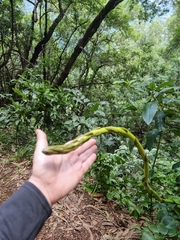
(40, 46)
(87, 36)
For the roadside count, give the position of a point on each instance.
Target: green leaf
(147, 236)
(162, 229)
(178, 180)
(118, 83)
(172, 226)
(151, 173)
(131, 107)
(173, 232)
(149, 111)
(153, 228)
(161, 214)
(169, 90)
(159, 121)
(177, 210)
(152, 86)
(136, 214)
(166, 220)
(145, 204)
(176, 131)
(18, 91)
(99, 113)
(139, 211)
(164, 84)
(94, 107)
(151, 138)
(157, 237)
(176, 165)
(130, 145)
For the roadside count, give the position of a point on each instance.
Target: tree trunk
(87, 36)
(40, 46)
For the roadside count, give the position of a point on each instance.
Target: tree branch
(46, 38)
(87, 36)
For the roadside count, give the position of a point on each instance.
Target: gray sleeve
(23, 214)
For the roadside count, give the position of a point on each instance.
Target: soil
(78, 216)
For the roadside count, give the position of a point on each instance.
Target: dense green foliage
(124, 73)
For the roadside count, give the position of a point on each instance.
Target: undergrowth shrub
(119, 176)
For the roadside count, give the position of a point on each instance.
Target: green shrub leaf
(162, 229)
(176, 131)
(153, 228)
(149, 111)
(151, 138)
(176, 165)
(178, 180)
(147, 236)
(160, 121)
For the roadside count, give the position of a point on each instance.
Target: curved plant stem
(75, 143)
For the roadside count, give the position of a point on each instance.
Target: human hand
(57, 175)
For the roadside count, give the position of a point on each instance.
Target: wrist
(41, 188)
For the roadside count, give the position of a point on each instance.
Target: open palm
(57, 175)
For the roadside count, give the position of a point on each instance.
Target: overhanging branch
(85, 39)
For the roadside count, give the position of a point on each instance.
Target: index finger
(85, 146)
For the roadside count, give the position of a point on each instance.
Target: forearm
(23, 214)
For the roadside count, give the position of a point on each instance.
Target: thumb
(41, 140)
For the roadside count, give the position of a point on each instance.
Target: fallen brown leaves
(78, 216)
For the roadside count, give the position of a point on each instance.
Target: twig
(87, 227)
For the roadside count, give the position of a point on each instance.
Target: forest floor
(78, 216)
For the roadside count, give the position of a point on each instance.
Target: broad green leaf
(175, 198)
(176, 121)
(86, 100)
(164, 84)
(173, 232)
(99, 113)
(151, 173)
(88, 112)
(130, 145)
(94, 107)
(139, 210)
(151, 138)
(156, 237)
(149, 111)
(135, 104)
(147, 236)
(162, 229)
(176, 165)
(170, 90)
(145, 204)
(172, 226)
(160, 206)
(166, 220)
(118, 82)
(178, 180)
(153, 228)
(160, 121)
(152, 86)
(177, 210)
(18, 91)
(169, 112)
(131, 204)
(176, 131)
(161, 214)
(131, 107)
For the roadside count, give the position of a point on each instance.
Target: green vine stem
(75, 143)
